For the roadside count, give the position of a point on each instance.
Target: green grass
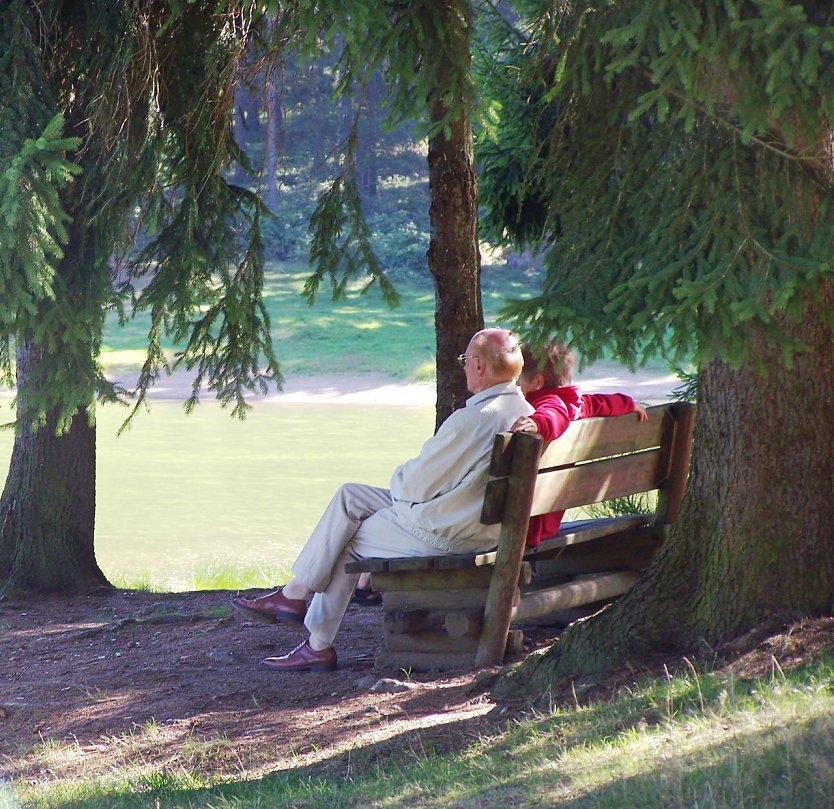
(204, 501)
(203, 576)
(357, 335)
(696, 739)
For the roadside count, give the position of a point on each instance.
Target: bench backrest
(594, 460)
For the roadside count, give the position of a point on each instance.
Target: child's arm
(611, 404)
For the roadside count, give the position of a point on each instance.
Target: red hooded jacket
(555, 409)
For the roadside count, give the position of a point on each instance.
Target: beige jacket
(439, 494)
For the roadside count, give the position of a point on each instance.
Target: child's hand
(524, 425)
(640, 410)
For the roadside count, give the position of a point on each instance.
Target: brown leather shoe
(303, 658)
(273, 608)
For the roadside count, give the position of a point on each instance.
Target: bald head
(496, 357)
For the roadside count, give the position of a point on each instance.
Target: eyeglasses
(464, 357)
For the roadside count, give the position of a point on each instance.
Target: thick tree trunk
(454, 257)
(48, 505)
(754, 542)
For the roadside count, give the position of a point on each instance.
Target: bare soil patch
(127, 677)
(129, 673)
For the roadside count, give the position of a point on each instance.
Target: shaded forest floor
(132, 678)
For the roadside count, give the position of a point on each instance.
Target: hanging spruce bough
(422, 50)
(673, 160)
(115, 116)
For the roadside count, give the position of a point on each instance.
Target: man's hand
(526, 425)
(640, 410)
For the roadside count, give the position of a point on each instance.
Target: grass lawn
(204, 501)
(358, 335)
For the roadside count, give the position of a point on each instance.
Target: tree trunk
(367, 142)
(274, 144)
(48, 505)
(754, 542)
(454, 257)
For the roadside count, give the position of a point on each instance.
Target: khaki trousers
(357, 524)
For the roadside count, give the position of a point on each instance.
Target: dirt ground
(182, 669)
(168, 680)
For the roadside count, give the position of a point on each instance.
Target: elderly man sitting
(432, 507)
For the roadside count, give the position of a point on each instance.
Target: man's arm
(442, 463)
(550, 420)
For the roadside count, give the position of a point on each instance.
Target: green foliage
(412, 43)
(32, 230)
(340, 248)
(144, 97)
(621, 506)
(400, 244)
(672, 158)
(422, 51)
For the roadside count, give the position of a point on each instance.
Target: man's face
(472, 368)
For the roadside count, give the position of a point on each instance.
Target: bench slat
(628, 550)
(467, 578)
(574, 533)
(589, 439)
(598, 481)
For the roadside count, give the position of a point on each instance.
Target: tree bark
(454, 258)
(754, 542)
(274, 143)
(48, 504)
(368, 140)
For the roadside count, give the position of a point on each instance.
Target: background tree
(674, 160)
(108, 109)
(119, 121)
(423, 50)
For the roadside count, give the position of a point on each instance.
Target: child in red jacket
(547, 386)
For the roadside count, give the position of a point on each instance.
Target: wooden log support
(574, 594)
(412, 661)
(463, 623)
(402, 622)
(515, 643)
(471, 579)
(502, 591)
(456, 623)
(430, 642)
(434, 599)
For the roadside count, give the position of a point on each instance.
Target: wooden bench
(455, 611)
